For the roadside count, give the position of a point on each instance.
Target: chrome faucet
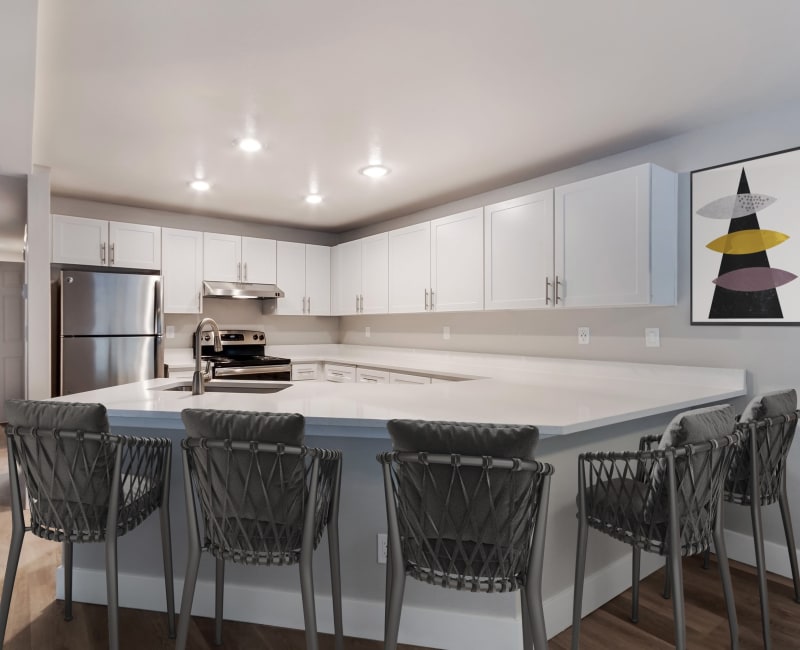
(199, 377)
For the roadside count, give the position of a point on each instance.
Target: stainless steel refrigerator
(110, 331)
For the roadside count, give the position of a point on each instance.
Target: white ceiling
(456, 96)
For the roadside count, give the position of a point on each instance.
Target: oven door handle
(251, 370)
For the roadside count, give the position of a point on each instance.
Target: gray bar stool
(472, 522)
(758, 478)
(84, 485)
(265, 499)
(665, 498)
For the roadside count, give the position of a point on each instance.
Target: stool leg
(166, 548)
(727, 585)
(14, 551)
(637, 563)
(580, 570)
(66, 560)
(219, 595)
(758, 538)
(527, 641)
(789, 532)
(309, 608)
(192, 561)
(677, 599)
(667, 593)
(395, 604)
(112, 589)
(336, 584)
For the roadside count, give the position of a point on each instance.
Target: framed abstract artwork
(746, 242)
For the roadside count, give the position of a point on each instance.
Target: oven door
(255, 373)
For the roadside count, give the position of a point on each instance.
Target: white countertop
(560, 396)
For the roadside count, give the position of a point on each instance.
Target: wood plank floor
(36, 619)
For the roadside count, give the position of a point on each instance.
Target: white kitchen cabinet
(405, 378)
(95, 242)
(306, 371)
(437, 265)
(372, 376)
(457, 262)
(182, 271)
(304, 277)
(616, 239)
(231, 258)
(339, 373)
(410, 269)
(361, 276)
(518, 241)
(259, 260)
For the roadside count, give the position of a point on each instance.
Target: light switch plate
(383, 547)
(584, 335)
(652, 337)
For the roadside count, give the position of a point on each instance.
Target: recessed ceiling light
(250, 145)
(314, 198)
(199, 185)
(375, 171)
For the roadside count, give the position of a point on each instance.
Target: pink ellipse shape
(754, 278)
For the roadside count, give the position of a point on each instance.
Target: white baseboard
(741, 548)
(437, 628)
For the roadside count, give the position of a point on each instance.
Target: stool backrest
(67, 459)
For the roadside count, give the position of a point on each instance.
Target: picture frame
(745, 241)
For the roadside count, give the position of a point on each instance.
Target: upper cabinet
(231, 258)
(361, 276)
(95, 242)
(304, 272)
(519, 252)
(437, 265)
(616, 239)
(182, 271)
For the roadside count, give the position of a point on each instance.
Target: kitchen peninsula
(578, 405)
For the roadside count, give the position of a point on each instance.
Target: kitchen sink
(248, 387)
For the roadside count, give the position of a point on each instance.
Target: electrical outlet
(446, 333)
(383, 547)
(170, 331)
(652, 337)
(367, 331)
(584, 335)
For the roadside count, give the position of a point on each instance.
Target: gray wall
(770, 353)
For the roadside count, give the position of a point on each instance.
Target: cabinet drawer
(370, 376)
(403, 378)
(339, 373)
(305, 371)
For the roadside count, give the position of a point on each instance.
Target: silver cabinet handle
(304, 304)
(111, 254)
(362, 303)
(547, 284)
(198, 302)
(557, 297)
(103, 252)
(431, 299)
(245, 271)
(309, 304)
(356, 303)
(426, 300)
(239, 271)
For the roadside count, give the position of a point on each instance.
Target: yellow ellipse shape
(745, 242)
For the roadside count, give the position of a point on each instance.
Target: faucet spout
(199, 377)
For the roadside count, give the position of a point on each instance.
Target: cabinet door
(409, 268)
(222, 257)
(182, 270)
(371, 376)
(318, 280)
(457, 262)
(292, 277)
(134, 246)
(80, 241)
(519, 252)
(375, 274)
(347, 275)
(259, 260)
(602, 239)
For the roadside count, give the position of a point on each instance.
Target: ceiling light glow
(314, 199)
(199, 185)
(250, 145)
(375, 171)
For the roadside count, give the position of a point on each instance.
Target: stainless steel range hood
(243, 290)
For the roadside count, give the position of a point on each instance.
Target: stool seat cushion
(465, 438)
(286, 428)
(66, 416)
(698, 425)
(770, 405)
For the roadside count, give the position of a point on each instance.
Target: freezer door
(99, 304)
(89, 363)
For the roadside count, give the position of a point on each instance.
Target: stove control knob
(261, 337)
(255, 337)
(207, 337)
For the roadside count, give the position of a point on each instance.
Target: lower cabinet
(340, 373)
(404, 378)
(306, 371)
(372, 376)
